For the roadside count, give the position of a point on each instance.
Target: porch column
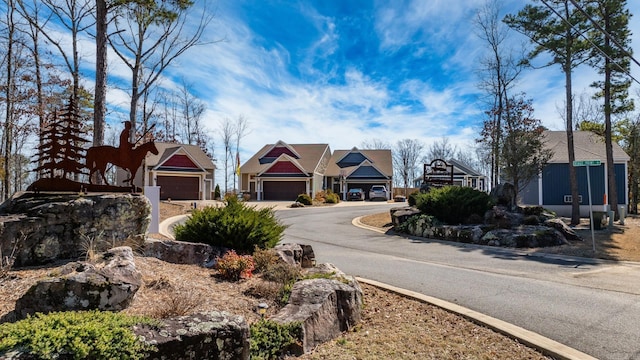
(258, 189)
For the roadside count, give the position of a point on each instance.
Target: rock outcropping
(324, 307)
(207, 335)
(47, 227)
(107, 284)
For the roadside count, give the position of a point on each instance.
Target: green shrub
(216, 193)
(332, 198)
(235, 226)
(269, 339)
(232, 266)
(264, 259)
(81, 334)
(454, 204)
(412, 200)
(304, 199)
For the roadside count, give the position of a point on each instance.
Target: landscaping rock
(505, 195)
(524, 237)
(401, 214)
(207, 335)
(108, 284)
(503, 218)
(296, 254)
(560, 225)
(325, 308)
(182, 252)
(48, 227)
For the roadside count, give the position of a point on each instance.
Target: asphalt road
(592, 306)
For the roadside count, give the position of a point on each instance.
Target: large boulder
(47, 227)
(107, 284)
(324, 307)
(505, 194)
(502, 217)
(401, 214)
(207, 335)
(182, 252)
(561, 226)
(296, 254)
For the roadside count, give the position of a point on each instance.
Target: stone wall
(48, 227)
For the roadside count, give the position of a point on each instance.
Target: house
(283, 171)
(552, 188)
(183, 172)
(463, 175)
(349, 169)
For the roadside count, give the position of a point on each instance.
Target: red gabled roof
(283, 167)
(180, 161)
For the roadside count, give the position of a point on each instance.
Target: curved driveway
(593, 306)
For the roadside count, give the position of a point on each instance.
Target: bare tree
(442, 149)
(192, 109)
(499, 71)
(77, 17)
(241, 130)
(149, 37)
(375, 144)
(227, 131)
(405, 160)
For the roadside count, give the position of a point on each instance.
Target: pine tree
(611, 54)
(556, 29)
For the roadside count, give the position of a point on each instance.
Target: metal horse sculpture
(98, 157)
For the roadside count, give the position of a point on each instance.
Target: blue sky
(346, 71)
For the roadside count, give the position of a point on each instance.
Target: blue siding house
(552, 189)
(355, 168)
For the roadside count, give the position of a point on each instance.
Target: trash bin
(611, 215)
(597, 219)
(622, 212)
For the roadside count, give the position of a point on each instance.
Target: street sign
(587, 163)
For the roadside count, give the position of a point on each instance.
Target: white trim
(540, 195)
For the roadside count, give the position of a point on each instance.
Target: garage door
(179, 187)
(283, 190)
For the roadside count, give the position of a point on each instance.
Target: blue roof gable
(366, 172)
(352, 159)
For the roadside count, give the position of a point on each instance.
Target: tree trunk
(611, 175)
(8, 129)
(101, 73)
(573, 179)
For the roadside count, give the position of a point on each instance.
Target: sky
(344, 72)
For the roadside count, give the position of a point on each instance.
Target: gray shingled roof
(380, 159)
(587, 145)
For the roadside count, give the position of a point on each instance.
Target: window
(567, 199)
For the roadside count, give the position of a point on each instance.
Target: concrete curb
(536, 341)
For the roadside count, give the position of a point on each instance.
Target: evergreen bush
(75, 334)
(454, 204)
(235, 226)
(269, 339)
(304, 199)
(216, 193)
